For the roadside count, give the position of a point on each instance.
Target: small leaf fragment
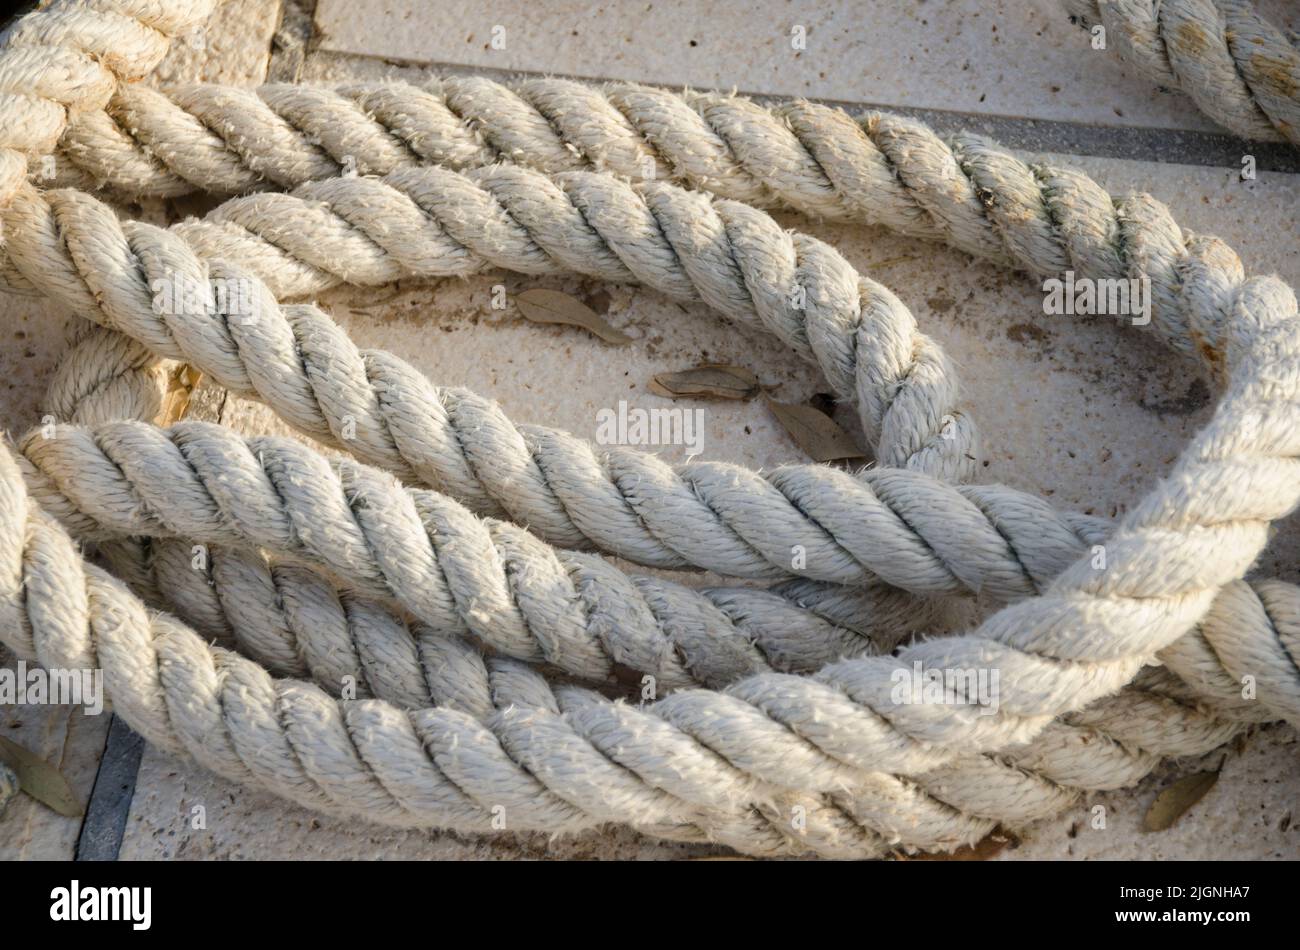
(551, 306)
(987, 847)
(815, 432)
(1174, 801)
(39, 779)
(711, 379)
(176, 400)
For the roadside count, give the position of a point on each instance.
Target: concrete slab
(1004, 58)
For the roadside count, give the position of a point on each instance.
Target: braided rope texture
(878, 169)
(295, 622)
(67, 58)
(1102, 627)
(1199, 302)
(447, 767)
(1239, 69)
(770, 729)
(921, 535)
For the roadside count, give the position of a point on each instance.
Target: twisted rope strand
(560, 767)
(66, 59)
(879, 169)
(272, 609)
(1252, 630)
(296, 623)
(734, 258)
(416, 547)
(1212, 275)
(1087, 635)
(1238, 68)
(768, 736)
(915, 533)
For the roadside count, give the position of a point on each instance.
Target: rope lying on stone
(935, 539)
(295, 599)
(458, 575)
(1244, 305)
(304, 366)
(554, 761)
(1084, 637)
(1239, 69)
(67, 58)
(294, 622)
(880, 169)
(1157, 243)
(734, 258)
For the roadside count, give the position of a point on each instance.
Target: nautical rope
(67, 58)
(1239, 69)
(906, 528)
(694, 753)
(296, 623)
(733, 257)
(425, 119)
(439, 767)
(1083, 638)
(878, 169)
(415, 547)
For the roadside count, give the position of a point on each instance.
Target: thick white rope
(295, 622)
(1083, 638)
(420, 549)
(367, 119)
(1239, 69)
(734, 258)
(67, 58)
(417, 768)
(1254, 295)
(880, 169)
(915, 533)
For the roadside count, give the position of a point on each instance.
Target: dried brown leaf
(1174, 801)
(176, 401)
(551, 306)
(988, 846)
(39, 779)
(815, 432)
(711, 379)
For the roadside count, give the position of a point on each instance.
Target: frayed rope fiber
(399, 568)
